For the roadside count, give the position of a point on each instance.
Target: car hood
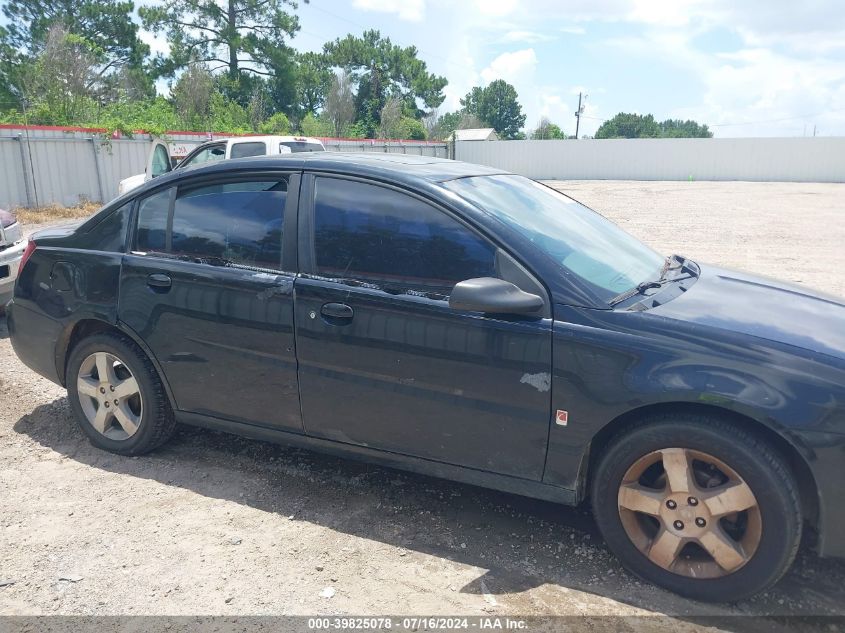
(132, 182)
(761, 307)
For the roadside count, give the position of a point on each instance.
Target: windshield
(590, 246)
(302, 146)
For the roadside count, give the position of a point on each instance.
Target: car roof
(398, 167)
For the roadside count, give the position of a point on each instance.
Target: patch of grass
(55, 213)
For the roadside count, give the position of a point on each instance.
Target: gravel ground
(215, 524)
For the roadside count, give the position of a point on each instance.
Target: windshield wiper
(636, 290)
(658, 283)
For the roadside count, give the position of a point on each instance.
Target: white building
(477, 134)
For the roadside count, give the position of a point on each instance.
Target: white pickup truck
(12, 246)
(159, 161)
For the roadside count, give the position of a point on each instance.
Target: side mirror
(494, 296)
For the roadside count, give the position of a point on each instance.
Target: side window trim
(168, 231)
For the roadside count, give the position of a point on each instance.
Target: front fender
(608, 365)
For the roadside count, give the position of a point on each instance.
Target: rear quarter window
(152, 222)
(109, 234)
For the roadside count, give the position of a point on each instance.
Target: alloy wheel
(110, 396)
(690, 513)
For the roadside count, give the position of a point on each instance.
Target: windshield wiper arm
(636, 290)
(658, 283)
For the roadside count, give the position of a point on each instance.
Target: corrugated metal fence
(66, 165)
(41, 166)
(761, 159)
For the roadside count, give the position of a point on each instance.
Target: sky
(744, 67)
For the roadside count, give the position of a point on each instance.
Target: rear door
(384, 362)
(208, 286)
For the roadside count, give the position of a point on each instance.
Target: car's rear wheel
(698, 506)
(116, 395)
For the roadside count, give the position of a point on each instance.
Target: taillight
(27, 253)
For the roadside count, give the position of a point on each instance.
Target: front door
(209, 287)
(385, 363)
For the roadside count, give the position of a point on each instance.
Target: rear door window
(230, 223)
(393, 240)
(234, 223)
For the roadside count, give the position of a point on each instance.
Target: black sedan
(465, 323)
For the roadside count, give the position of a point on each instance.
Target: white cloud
(753, 91)
(496, 8)
(669, 13)
(410, 10)
(513, 67)
(526, 37)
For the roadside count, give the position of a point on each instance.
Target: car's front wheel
(116, 395)
(699, 506)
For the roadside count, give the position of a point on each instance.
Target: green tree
(246, 38)
(228, 116)
(103, 27)
(191, 96)
(498, 105)
(443, 126)
(313, 79)
(312, 125)
(340, 104)
(106, 24)
(676, 128)
(10, 84)
(155, 116)
(413, 129)
(276, 124)
(546, 130)
(381, 70)
(62, 82)
(625, 125)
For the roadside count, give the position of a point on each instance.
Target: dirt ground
(215, 524)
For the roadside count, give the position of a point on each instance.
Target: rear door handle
(337, 312)
(159, 281)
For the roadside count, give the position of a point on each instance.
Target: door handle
(337, 313)
(159, 281)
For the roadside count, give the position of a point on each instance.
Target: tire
(147, 418)
(677, 547)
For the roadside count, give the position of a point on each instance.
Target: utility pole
(578, 114)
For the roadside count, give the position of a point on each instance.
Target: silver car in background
(12, 246)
